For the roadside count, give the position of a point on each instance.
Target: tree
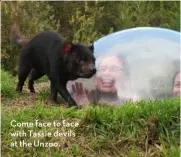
(84, 23)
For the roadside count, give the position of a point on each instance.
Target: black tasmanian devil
(48, 53)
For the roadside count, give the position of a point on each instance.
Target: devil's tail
(17, 37)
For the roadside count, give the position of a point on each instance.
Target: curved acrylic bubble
(133, 34)
(152, 55)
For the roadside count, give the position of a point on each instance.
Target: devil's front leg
(59, 85)
(54, 93)
(62, 90)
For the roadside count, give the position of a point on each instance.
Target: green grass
(115, 131)
(7, 85)
(144, 128)
(42, 79)
(44, 95)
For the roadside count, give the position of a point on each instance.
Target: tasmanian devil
(48, 53)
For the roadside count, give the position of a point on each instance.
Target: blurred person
(111, 77)
(176, 85)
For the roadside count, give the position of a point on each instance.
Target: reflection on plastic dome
(135, 64)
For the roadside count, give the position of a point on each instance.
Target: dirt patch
(26, 98)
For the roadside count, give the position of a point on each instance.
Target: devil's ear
(67, 47)
(91, 47)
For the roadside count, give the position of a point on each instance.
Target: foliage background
(81, 21)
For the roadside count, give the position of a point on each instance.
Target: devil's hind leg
(34, 75)
(23, 71)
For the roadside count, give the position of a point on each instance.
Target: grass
(7, 85)
(144, 128)
(44, 95)
(116, 131)
(42, 79)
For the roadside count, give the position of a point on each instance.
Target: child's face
(109, 72)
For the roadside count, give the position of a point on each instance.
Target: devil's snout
(92, 68)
